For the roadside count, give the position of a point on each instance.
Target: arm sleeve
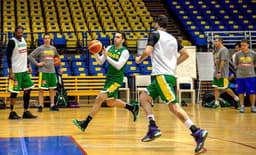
(121, 62)
(179, 46)
(100, 58)
(153, 38)
(10, 47)
(34, 55)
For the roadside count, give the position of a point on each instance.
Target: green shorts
(221, 83)
(111, 87)
(163, 86)
(47, 80)
(21, 81)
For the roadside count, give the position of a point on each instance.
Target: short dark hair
(238, 44)
(244, 41)
(124, 37)
(18, 27)
(221, 40)
(46, 34)
(162, 21)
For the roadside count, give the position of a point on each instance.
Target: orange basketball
(95, 46)
(56, 61)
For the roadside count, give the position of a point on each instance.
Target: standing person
(221, 73)
(237, 49)
(117, 56)
(245, 62)
(47, 74)
(164, 50)
(19, 78)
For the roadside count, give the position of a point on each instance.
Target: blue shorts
(247, 85)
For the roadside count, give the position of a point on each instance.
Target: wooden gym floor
(112, 132)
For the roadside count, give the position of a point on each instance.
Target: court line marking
(23, 143)
(78, 145)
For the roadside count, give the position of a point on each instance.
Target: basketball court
(113, 132)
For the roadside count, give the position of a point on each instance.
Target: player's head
(18, 32)
(245, 45)
(238, 46)
(218, 42)
(120, 39)
(47, 39)
(161, 21)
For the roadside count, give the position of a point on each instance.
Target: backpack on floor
(61, 93)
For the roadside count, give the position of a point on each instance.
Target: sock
(193, 128)
(152, 123)
(52, 104)
(12, 107)
(87, 120)
(217, 102)
(188, 123)
(242, 106)
(151, 117)
(236, 98)
(129, 107)
(26, 98)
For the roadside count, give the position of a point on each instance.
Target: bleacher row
(72, 16)
(77, 65)
(199, 16)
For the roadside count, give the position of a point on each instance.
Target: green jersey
(113, 73)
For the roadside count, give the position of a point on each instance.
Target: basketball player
(47, 74)
(221, 60)
(245, 61)
(19, 78)
(117, 56)
(164, 50)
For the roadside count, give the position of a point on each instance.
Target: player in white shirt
(164, 49)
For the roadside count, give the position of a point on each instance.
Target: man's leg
(26, 98)
(252, 101)
(121, 104)
(153, 131)
(217, 97)
(231, 93)
(52, 95)
(13, 114)
(41, 100)
(199, 134)
(96, 106)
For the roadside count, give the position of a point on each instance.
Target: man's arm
(10, 47)
(183, 56)
(121, 62)
(147, 52)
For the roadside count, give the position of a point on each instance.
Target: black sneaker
(80, 124)
(28, 115)
(135, 112)
(40, 109)
(13, 115)
(54, 108)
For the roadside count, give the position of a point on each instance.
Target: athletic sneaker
(80, 124)
(54, 108)
(241, 109)
(13, 115)
(135, 112)
(216, 106)
(253, 110)
(200, 137)
(40, 109)
(28, 115)
(153, 132)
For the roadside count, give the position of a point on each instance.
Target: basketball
(95, 46)
(56, 61)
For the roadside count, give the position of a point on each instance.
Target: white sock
(242, 105)
(52, 104)
(189, 123)
(217, 102)
(236, 98)
(151, 117)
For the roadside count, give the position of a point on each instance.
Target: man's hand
(11, 75)
(105, 52)
(42, 63)
(29, 70)
(137, 59)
